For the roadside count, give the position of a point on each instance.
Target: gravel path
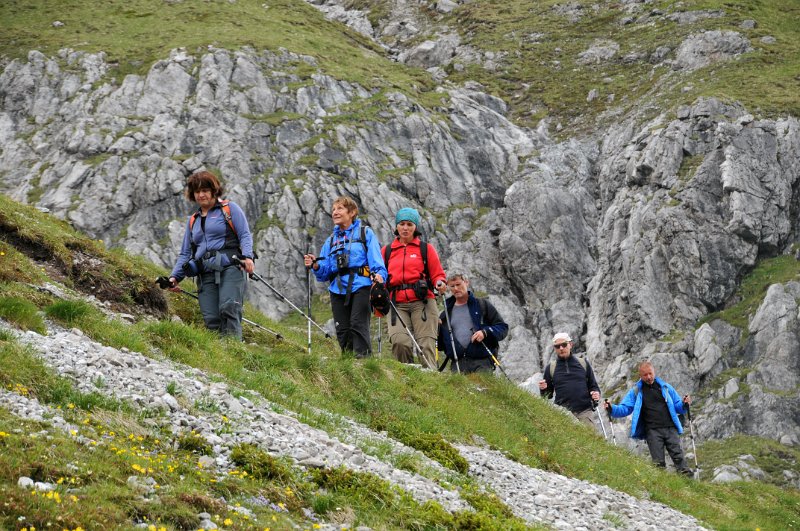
(534, 495)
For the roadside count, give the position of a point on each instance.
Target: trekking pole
(414, 341)
(599, 417)
(164, 283)
(688, 409)
(452, 339)
(256, 276)
(611, 423)
(380, 334)
(495, 360)
(308, 297)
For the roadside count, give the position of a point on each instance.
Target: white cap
(561, 336)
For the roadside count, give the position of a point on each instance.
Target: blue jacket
(491, 323)
(213, 237)
(633, 403)
(349, 242)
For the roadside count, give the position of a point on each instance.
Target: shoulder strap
(364, 242)
(581, 360)
(483, 307)
(387, 251)
(226, 211)
(423, 249)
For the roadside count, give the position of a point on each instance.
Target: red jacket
(405, 267)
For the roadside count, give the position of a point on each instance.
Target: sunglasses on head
(560, 345)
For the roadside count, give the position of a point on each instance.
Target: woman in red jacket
(410, 286)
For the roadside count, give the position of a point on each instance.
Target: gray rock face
(624, 239)
(432, 52)
(599, 52)
(703, 49)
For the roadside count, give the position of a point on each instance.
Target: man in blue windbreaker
(655, 406)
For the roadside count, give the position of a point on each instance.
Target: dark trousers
(221, 304)
(469, 365)
(660, 438)
(352, 322)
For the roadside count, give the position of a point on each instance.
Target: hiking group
(401, 280)
(655, 405)
(405, 276)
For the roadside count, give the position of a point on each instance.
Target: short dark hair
(203, 179)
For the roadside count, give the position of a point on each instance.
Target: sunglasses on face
(560, 345)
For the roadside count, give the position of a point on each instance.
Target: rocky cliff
(625, 237)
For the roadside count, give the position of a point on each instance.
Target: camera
(421, 290)
(342, 261)
(191, 268)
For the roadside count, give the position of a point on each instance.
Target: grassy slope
(431, 406)
(136, 33)
(538, 77)
(544, 79)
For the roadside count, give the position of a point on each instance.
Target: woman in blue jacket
(351, 261)
(215, 232)
(655, 406)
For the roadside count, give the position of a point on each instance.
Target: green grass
(753, 288)
(22, 313)
(426, 410)
(538, 78)
(117, 445)
(134, 34)
(770, 456)
(541, 77)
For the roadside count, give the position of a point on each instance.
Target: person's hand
(310, 261)
(441, 287)
(173, 284)
(687, 400)
(607, 405)
(247, 264)
(595, 396)
(377, 279)
(542, 385)
(478, 336)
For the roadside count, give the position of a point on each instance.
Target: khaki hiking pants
(424, 331)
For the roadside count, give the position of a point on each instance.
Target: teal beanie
(407, 214)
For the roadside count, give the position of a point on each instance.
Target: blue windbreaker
(349, 242)
(213, 237)
(633, 403)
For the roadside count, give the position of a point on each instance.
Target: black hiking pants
(352, 322)
(659, 439)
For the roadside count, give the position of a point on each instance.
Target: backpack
(226, 211)
(423, 251)
(581, 360)
(360, 270)
(363, 240)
